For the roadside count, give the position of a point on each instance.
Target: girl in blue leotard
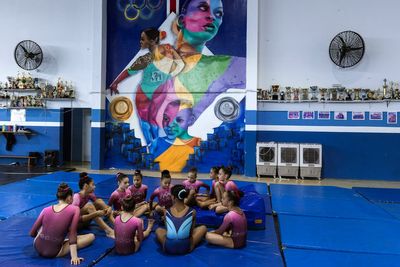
(180, 236)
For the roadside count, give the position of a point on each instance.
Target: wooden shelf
(28, 90)
(59, 99)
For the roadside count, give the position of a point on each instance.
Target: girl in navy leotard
(233, 231)
(128, 228)
(181, 235)
(53, 225)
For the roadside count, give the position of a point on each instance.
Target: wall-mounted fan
(28, 55)
(346, 49)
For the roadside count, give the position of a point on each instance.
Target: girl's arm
(75, 260)
(36, 226)
(224, 226)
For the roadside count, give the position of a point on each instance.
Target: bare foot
(110, 234)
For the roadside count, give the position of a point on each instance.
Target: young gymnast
(233, 231)
(139, 192)
(163, 193)
(211, 199)
(120, 193)
(53, 225)
(93, 210)
(181, 235)
(129, 229)
(193, 186)
(224, 184)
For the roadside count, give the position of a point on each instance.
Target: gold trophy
(357, 94)
(304, 94)
(322, 93)
(288, 93)
(275, 92)
(334, 94)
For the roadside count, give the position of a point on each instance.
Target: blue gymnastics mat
(391, 208)
(311, 191)
(317, 258)
(351, 235)
(389, 195)
(349, 207)
(16, 246)
(262, 248)
(71, 177)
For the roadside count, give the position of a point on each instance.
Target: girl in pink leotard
(120, 193)
(163, 193)
(53, 225)
(129, 229)
(211, 199)
(192, 185)
(139, 193)
(233, 231)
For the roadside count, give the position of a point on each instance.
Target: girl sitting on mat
(53, 225)
(193, 185)
(233, 231)
(211, 199)
(94, 210)
(129, 229)
(224, 184)
(163, 193)
(120, 193)
(181, 235)
(139, 192)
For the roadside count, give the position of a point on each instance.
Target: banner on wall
(177, 93)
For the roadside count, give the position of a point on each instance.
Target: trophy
(341, 93)
(282, 95)
(288, 93)
(349, 93)
(396, 94)
(357, 94)
(275, 92)
(385, 90)
(378, 94)
(259, 94)
(334, 94)
(322, 92)
(296, 94)
(364, 94)
(314, 90)
(304, 94)
(370, 94)
(265, 95)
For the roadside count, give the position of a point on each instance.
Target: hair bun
(163, 35)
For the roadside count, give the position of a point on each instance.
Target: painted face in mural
(176, 122)
(201, 20)
(145, 41)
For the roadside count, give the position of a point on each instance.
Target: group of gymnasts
(55, 230)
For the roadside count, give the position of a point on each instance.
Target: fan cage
(267, 154)
(311, 156)
(289, 155)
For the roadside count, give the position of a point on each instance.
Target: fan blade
(342, 55)
(341, 39)
(26, 51)
(356, 48)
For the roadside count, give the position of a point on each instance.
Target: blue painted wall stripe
(97, 148)
(98, 115)
(250, 140)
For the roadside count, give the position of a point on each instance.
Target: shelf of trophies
(336, 94)
(26, 92)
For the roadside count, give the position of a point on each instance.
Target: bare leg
(218, 191)
(82, 242)
(139, 211)
(191, 198)
(219, 240)
(101, 205)
(221, 209)
(197, 235)
(161, 235)
(205, 204)
(89, 208)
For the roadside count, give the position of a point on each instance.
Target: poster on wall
(358, 116)
(324, 115)
(340, 115)
(293, 115)
(376, 116)
(177, 86)
(392, 117)
(308, 115)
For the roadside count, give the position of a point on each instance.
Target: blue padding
(261, 188)
(309, 258)
(30, 187)
(69, 177)
(353, 235)
(14, 203)
(389, 195)
(391, 208)
(262, 248)
(16, 246)
(355, 207)
(311, 191)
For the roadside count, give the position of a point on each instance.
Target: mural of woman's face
(144, 41)
(202, 19)
(175, 122)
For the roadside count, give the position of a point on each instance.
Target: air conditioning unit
(310, 160)
(267, 159)
(288, 159)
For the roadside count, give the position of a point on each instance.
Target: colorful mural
(176, 103)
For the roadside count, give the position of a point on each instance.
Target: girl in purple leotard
(193, 186)
(163, 193)
(120, 193)
(129, 229)
(93, 210)
(233, 231)
(53, 225)
(211, 199)
(139, 192)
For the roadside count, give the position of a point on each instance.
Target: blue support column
(98, 139)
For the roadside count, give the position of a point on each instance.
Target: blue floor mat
(262, 248)
(352, 235)
(391, 208)
(311, 191)
(317, 258)
(14, 203)
(389, 195)
(355, 207)
(16, 246)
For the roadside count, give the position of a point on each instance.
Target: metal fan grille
(346, 49)
(267, 154)
(311, 156)
(28, 55)
(289, 155)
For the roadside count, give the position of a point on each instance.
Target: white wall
(294, 37)
(67, 31)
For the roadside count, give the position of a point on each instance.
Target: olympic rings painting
(135, 9)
